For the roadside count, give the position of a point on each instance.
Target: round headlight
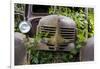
(25, 27)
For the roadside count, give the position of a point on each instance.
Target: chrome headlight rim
(25, 26)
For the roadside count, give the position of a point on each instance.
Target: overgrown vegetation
(84, 20)
(19, 15)
(85, 29)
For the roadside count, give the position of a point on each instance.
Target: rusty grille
(66, 33)
(50, 30)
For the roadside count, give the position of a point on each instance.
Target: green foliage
(19, 7)
(42, 57)
(31, 45)
(18, 15)
(91, 22)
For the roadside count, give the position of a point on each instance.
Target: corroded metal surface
(20, 50)
(87, 51)
(61, 33)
